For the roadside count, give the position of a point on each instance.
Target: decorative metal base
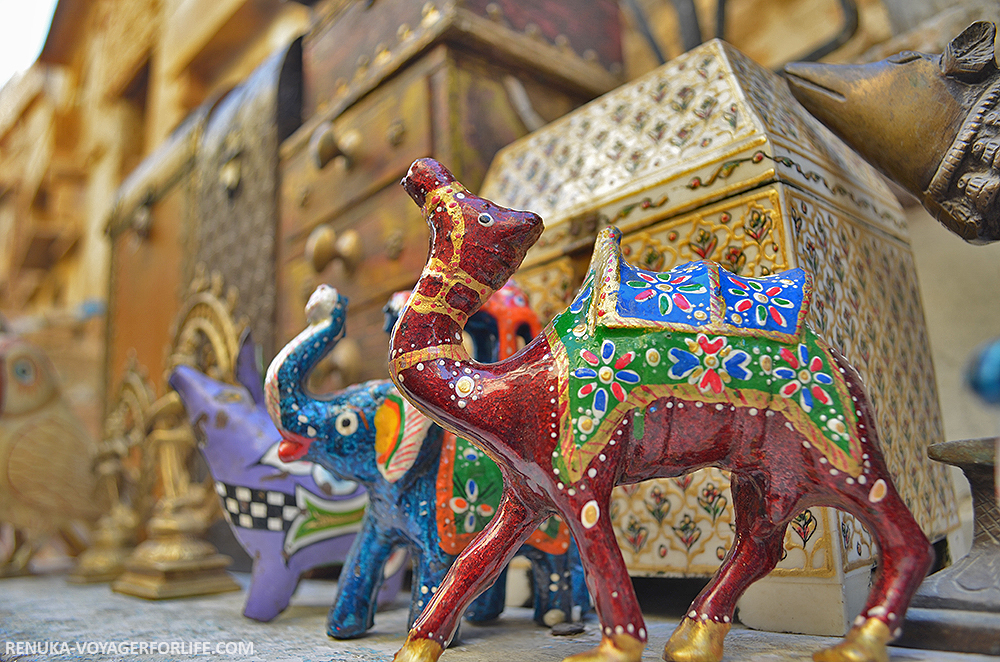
(176, 579)
(175, 562)
(114, 541)
(958, 608)
(99, 568)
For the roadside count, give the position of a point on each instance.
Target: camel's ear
(424, 176)
(247, 371)
(970, 56)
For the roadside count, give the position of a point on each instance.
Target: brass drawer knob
(394, 244)
(324, 246)
(325, 145)
(396, 132)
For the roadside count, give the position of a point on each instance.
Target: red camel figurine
(645, 376)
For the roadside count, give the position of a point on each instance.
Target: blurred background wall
(116, 77)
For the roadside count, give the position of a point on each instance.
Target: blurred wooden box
(401, 80)
(355, 45)
(709, 157)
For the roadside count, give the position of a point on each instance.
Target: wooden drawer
(389, 130)
(393, 238)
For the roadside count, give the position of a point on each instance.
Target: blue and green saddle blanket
(699, 333)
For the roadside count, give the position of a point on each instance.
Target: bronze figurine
(929, 122)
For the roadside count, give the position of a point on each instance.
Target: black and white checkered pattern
(257, 509)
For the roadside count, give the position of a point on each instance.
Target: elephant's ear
(400, 431)
(247, 370)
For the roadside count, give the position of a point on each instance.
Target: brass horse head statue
(929, 122)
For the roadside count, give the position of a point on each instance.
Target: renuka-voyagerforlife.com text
(128, 648)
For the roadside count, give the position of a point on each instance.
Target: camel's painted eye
(347, 423)
(486, 220)
(24, 371)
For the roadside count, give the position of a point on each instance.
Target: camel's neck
(446, 295)
(435, 316)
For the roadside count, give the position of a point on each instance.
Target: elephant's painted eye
(485, 220)
(228, 395)
(24, 371)
(347, 423)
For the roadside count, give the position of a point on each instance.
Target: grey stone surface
(47, 609)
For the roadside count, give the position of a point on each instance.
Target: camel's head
(468, 233)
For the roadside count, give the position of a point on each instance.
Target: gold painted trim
(427, 355)
(825, 543)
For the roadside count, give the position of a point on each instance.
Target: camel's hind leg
(905, 555)
(760, 533)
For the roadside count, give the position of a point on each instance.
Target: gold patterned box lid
(705, 126)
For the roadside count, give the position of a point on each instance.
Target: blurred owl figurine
(46, 482)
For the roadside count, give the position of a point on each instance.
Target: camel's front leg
(474, 570)
(622, 627)
(23, 550)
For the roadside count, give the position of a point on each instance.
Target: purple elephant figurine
(289, 517)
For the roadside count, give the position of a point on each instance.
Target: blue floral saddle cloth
(695, 297)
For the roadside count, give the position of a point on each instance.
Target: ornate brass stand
(176, 561)
(120, 471)
(114, 539)
(958, 608)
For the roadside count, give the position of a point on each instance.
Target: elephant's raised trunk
(290, 369)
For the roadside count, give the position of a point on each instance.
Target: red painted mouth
(290, 451)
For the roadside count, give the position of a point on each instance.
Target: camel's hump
(697, 297)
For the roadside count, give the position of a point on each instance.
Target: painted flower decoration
(670, 288)
(709, 364)
(581, 299)
(806, 377)
(606, 372)
(758, 302)
(468, 507)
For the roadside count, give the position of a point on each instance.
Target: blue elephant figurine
(290, 518)
(370, 434)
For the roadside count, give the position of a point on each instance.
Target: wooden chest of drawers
(356, 45)
(449, 88)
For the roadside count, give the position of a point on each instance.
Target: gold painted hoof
(613, 648)
(418, 650)
(696, 641)
(864, 643)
